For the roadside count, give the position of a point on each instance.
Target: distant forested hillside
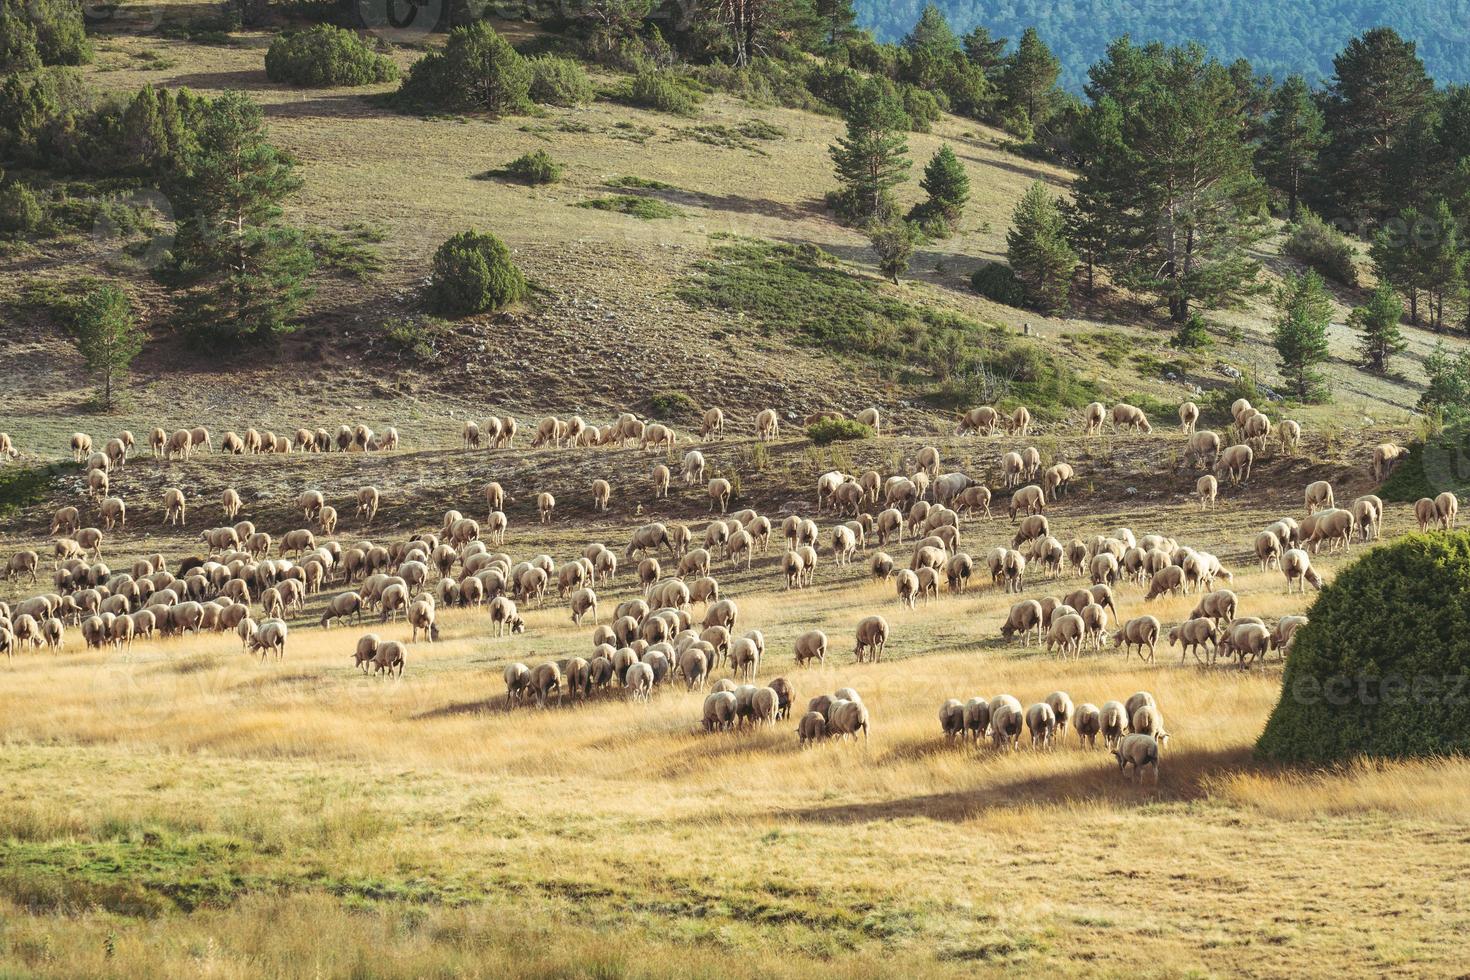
(1279, 37)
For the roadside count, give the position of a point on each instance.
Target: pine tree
(1294, 136)
(1377, 325)
(1029, 81)
(932, 34)
(839, 20)
(1378, 92)
(1094, 214)
(1170, 184)
(107, 337)
(1037, 249)
(1444, 260)
(249, 269)
(870, 160)
(948, 187)
(1398, 260)
(1303, 311)
(984, 52)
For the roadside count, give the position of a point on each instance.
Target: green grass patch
(640, 183)
(673, 404)
(22, 486)
(643, 208)
(1112, 346)
(347, 253)
(745, 136)
(803, 292)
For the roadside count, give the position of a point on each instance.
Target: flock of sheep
(656, 638)
(1133, 730)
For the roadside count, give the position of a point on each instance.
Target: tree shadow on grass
(1182, 779)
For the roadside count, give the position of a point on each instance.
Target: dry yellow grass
(193, 810)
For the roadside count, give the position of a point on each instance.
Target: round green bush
(1383, 668)
(472, 273)
(995, 280)
(536, 167)
(326, 57)
(824, 431)
(559, 81)
(478, 69)
(655, 90)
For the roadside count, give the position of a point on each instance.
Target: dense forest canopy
(1279, 37)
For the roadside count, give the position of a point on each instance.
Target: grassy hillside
(610, 321)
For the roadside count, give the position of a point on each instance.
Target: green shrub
(24, 486)
(1318, 245)
(1381, 668)
(640, 183)
(478, 69)
(559, 81)
(20, 212)
(326, 57)
(996, 281)
(535, 167)
(824, 431)
(472, 273)
(34, 33)
(922, 108)
(673, 404)
(1192, 334)
(657, 90)
(645, 208)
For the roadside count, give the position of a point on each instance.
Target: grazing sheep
(639, 680)
(952, 719)
(1137, 751)
(1042, 721)
(1147, 720)
(1236, 463)
(720, 490)
(367, 649)
(719, 711)
(1245, 640)
(1006, 720)
(811, 645)
(1426, 513)
(1019, 423)
(389, 657)
(1207, 489)
(1092, 418)
(767, 424)
(545, 504)
(1067, 632)
(1024, 618)
(1319, 496)
(1268, 550)
(1054, 480)
(1028, 500)
(1131, 417)
(1088, 723)
(601, 494)
(1447, 508)
(173, 506)
(846, 717)
(1194, 635)
(811, 728)
(1188, 416)
(1140, 631)
(693, 467)
(1113, 723)
(712, 424)
(1386, 457)
(269, 637)
(871, 418)
(872, 638)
